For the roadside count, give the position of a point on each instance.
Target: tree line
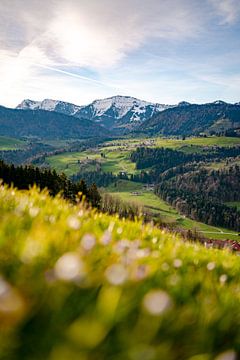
(201, 195)
(23, 177)
(164, 158)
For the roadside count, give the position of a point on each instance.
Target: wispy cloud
(40, 41)
(228, 10)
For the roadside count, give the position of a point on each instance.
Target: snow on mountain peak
(112, 112)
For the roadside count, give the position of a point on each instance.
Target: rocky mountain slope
(114, 112)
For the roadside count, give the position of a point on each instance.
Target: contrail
(74, 75)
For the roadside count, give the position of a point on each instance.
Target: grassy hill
(77, 284)
(135, 193)
(117, 153)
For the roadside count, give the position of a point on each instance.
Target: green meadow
(116, 159)
(80, 285)
(135, 193)
(7, 143)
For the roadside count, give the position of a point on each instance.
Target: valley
(114, 157)
(94, 152)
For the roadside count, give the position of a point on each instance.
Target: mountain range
(194, 119)
(44, 124)
(118, 115)
(117, 112)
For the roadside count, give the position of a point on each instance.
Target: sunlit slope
(76, 284)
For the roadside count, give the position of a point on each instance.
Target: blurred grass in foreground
(76, 284)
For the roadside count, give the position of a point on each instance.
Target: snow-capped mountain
(120, 110)
(113, 112)
(49, 105)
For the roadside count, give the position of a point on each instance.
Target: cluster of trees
(101, 179)
(163, 158)
(23, 177)
(22, 156)
(201, 194)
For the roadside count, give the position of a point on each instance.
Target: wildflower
(156, 302)
(73, 222)
(116, 274)
(88, 242)
(211, 266)
(177, 263)
(69, 267)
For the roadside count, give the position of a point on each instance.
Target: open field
(72, 162)
(145, 198)
(7, 143)
(76, 284)
(189, 144)
(117, 153)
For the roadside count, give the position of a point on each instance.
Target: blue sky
(162, 51)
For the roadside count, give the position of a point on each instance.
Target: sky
(163, 51)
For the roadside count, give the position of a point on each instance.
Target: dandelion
(141, 272)
(156, 302)
(106, 238)
(69, 267)
(211, 266)
(177, 263)
(73, 222)
(121, 246)
(34, 211)
(116, 274)
(88, 242)
(223, 278)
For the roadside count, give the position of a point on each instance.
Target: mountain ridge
(45, 124)
(112, 112)
(194, 119)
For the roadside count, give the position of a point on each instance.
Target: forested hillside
(43, 124)
(193, 119)
(201, 195)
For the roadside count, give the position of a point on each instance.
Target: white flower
(116, 274)
(88, 242)
(156, 302)
(73, 222)
(211, 266)
(69, 267)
